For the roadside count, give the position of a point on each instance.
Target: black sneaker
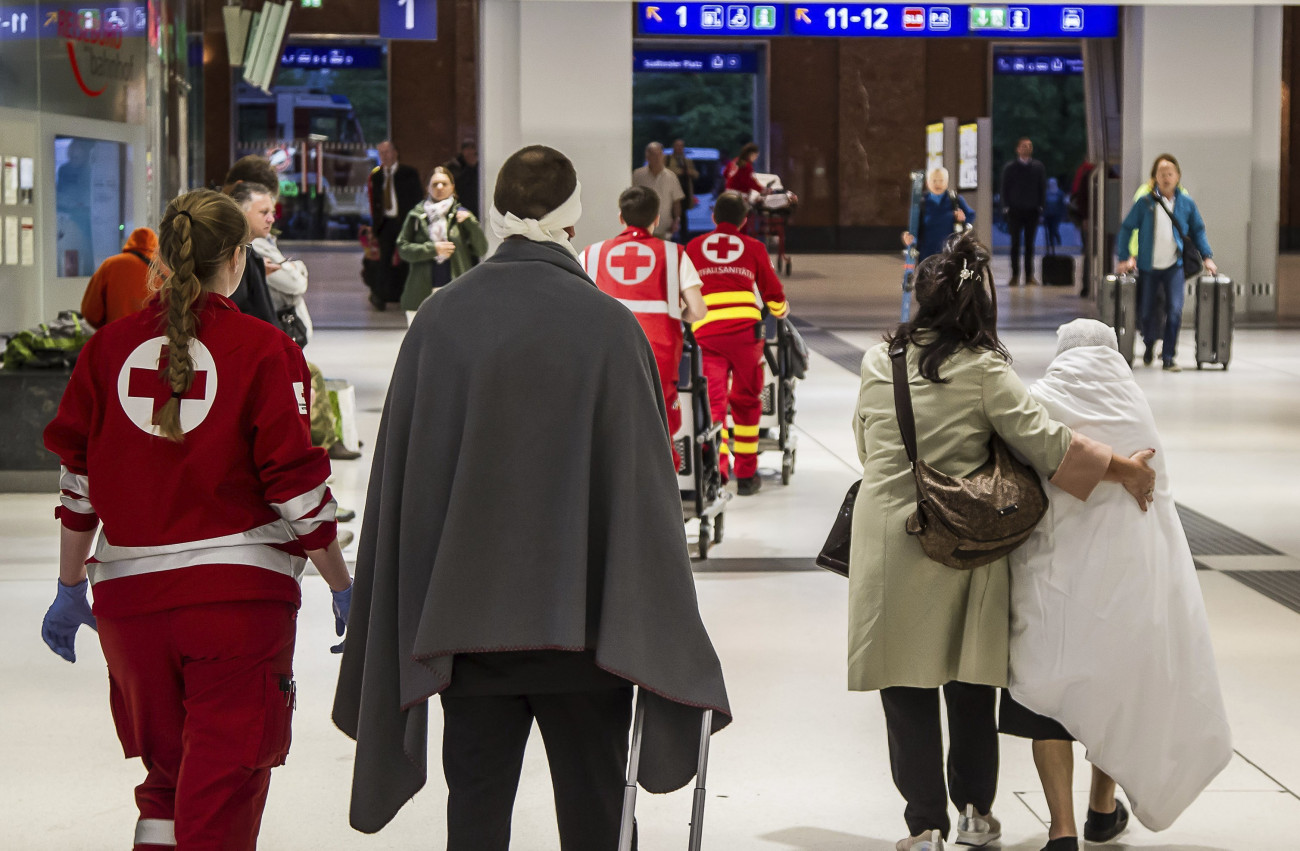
(749, 486)
(1149, 356)
(1103, 827)
(376, 302)
(1063, 843)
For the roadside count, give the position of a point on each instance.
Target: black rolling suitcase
(1058, 269)
(634, 766)
(1215, 303)
(1117, 306)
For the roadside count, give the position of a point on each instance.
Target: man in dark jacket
(1024, 192)
(464, 171)
(524, 573)
(394, 191)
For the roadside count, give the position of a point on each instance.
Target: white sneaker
(930, 841)
(977, 830)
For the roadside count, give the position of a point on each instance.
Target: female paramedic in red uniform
(185, 430)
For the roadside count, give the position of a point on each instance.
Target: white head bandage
(549, 228)
(1085, 332)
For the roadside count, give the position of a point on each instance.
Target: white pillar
(1266, 164)
(559, 73)
(1204, 84)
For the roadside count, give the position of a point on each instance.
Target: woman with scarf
(440, 239)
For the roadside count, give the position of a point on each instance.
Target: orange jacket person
(184, 430)
(738, 278)
(120, 286)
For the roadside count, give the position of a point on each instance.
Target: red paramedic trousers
(204, 696)
(733, 365)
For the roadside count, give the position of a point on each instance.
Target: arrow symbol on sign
(652, 13)
(801, 14)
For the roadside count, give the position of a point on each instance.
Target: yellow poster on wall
(933, 147)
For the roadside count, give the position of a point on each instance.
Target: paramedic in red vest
(184, 431)
(655, 280)
(738, 279)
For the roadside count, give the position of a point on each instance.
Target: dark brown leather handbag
(970, 522)
(835, 552)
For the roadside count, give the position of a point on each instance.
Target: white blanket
(1108, 628)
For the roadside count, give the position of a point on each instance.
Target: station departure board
(759, 20)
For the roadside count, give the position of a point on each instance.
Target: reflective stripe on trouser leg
(155, 831)
(745, 399)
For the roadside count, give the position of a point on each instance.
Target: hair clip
(966, 273)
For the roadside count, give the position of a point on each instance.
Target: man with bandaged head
(523, 555)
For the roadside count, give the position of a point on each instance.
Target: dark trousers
(1023, 224)
(391, 279)
(1160, 308)
(916, 751)
(586, 738)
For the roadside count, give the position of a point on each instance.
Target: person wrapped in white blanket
(1110, 643)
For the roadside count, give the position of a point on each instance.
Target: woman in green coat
(916, 626)
(440, 239)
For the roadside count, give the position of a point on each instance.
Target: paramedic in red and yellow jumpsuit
(738, 279)
(656, 281)
(184, 430)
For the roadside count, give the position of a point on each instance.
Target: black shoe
(1031, 281)
(749, 486)
(1014, 282)
(1062, 843)
(1103, 827)
(376, 302)
(1149, 356)
(345, 515)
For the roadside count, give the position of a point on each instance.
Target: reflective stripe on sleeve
(74, 492)
(155, 831)
(314, 503)
(779, 308)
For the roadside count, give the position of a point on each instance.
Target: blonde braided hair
(199, 233)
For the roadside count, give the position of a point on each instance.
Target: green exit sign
(988, 17)
(311, 4)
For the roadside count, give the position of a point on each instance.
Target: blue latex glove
(69, 611)
(342, 606)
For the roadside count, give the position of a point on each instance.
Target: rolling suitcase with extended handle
(633, 770)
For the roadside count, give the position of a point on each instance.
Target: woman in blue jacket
(1159, 259)
(941, 212)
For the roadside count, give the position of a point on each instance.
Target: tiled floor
(805, 764)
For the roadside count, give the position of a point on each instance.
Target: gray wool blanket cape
(522, 497)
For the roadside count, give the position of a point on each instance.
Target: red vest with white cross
(644, 273)
(738, 279)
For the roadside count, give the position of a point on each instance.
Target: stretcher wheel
(789, 267)
(704, 538)
(787, 466)
(717, 528)
(1198, 366)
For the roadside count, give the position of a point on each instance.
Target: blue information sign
(694, 62)
(1058, 65)
(764, 20)
(315, 56)
(409, 19)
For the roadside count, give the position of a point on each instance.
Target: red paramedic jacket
(225, 515)
(738, 278)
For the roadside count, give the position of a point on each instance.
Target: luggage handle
(628, 823)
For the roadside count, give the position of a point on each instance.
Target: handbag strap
(1159, 202)
(903, 400)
